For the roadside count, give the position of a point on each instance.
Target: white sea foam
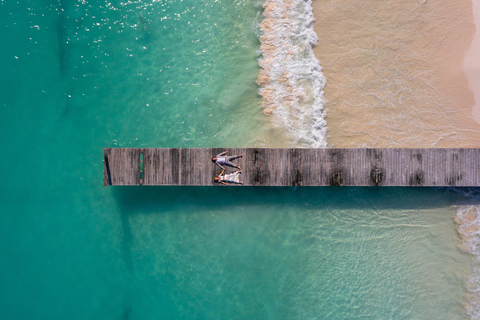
(291, 80)
(468, 224)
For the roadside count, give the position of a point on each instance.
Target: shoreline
(290, 79)
(472, 62)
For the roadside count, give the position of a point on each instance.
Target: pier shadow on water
(156, 199)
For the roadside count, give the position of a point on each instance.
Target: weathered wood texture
(299, 167)
(121, 167)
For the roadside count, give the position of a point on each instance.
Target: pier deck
(295, 167)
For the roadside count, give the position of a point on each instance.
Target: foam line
(468, 224)
(291, 80)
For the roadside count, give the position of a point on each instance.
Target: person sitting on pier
(233, 178)
(222, 158)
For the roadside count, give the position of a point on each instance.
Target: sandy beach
(397, 72)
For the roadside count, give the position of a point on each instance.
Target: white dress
(233, 177)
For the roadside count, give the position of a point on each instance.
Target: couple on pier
(231, 178)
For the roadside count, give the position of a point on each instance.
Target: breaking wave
(291, 80)
(468, 225)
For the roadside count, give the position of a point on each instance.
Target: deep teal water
(78, 76)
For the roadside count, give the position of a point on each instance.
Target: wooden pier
(295, 167)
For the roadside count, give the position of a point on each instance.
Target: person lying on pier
(233, 178)
(222, 158)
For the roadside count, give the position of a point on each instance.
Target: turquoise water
(78, 76)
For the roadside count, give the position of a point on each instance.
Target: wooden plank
(297, 167)
(161, 166)
(121, 166)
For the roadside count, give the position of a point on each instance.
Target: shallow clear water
(182, 74)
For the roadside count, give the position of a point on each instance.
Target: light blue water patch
(283, 253)
(78, 76)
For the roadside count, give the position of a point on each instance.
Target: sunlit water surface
(81, 76)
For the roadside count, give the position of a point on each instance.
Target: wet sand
(395, 72)
(472, 62)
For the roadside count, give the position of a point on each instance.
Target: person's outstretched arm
(221, 154)
(218, 164)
